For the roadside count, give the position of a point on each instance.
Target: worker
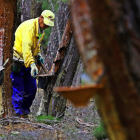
(26, 50)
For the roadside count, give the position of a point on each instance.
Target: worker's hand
(40, 59)
(34, 70)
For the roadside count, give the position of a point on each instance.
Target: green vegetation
(2, 136)
(47, 119)
(99, 132)
(64, 0)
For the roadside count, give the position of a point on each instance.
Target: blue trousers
(24, 90)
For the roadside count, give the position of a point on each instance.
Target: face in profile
(41, 23)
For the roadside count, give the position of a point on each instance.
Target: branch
(21, 120)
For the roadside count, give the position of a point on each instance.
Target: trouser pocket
(16, 67)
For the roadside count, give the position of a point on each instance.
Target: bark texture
(26, 10)
(78, 72)
(52, 48)
(64, 78)
(7, 21)
(108, 35)
(30, 9)
(53, 44)
(63, 67)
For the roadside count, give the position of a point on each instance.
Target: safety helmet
(48, 17)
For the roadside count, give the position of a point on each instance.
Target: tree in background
(52, 5)
(29, 9)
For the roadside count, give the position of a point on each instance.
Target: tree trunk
(53, 45)
(26, 10)
(110, 41)
(7, 23)
(2, 31)
(58, 67)
(64, 78)
(78, 72)
(30, 9)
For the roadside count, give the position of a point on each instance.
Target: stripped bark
(64, 78)
(57, 65)
(108, 35)
(7, 15)
(53, 45)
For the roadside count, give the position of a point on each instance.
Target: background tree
(30, 9)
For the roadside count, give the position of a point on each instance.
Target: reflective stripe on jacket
(27, 42)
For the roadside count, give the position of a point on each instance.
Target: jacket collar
(38, 31)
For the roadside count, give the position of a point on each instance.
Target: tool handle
(43, 67)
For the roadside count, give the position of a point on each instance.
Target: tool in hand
(43, 67)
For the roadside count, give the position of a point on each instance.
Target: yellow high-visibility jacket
(27, 42)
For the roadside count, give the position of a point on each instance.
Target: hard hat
(48, 17)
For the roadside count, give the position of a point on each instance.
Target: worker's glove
(40, 59)
(34, 70)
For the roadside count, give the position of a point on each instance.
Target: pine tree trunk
(78, 72)
(64, 78)
(26, 10)
(110, 41)
(52, 103)
(30, 9)
(53, 45)
(7, 23)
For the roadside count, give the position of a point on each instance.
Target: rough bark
(2, 31)
(78, 72)
(64, 78)
(30, 9)
(7, 16)
(58, 64)
(36, 9)
(26, 10)
(53, 44)
(108, 35)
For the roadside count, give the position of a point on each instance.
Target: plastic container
(42, 82)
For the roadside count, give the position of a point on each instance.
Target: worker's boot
(25, 116)
(17, 115)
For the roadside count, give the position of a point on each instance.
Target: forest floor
(77, 124)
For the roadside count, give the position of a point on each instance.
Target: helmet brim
(48, 22)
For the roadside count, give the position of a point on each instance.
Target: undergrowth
(99, 132)
(47, 119)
